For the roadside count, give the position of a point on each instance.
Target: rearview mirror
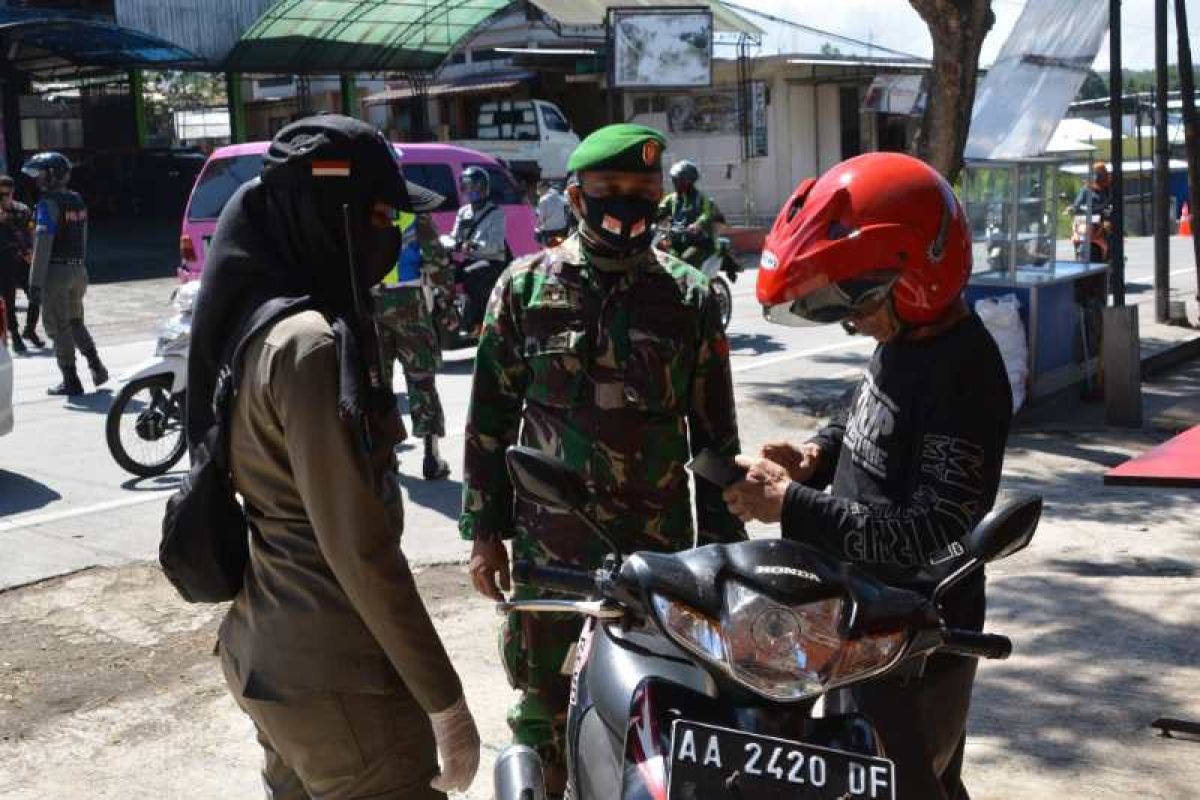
(548, 481)
(545, 480)
(1005, 531)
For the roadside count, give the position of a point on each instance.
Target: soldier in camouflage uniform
(610, 355)
(404, 308)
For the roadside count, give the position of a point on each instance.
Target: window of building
(851, 121)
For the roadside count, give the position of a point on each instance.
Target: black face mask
(620, 222)
(378, 249)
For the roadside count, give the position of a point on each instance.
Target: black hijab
(281, 240)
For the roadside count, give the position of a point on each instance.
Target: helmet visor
(836, 302)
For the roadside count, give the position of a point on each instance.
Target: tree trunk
(1191, 129)
(957, 28)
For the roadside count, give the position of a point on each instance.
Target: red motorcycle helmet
(877, 223)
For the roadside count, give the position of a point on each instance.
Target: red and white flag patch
(639, 228)
(331, 169)
(611, 224)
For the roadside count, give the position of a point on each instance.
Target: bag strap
(229, 376)
(477, 221)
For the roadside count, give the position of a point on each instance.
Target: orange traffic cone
(1185, 221)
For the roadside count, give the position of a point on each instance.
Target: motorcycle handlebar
(558, 579)
(975, 645)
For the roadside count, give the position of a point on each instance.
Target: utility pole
(1162, 147)
(1116, 108)
(1191, 128)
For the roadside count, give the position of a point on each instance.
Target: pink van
(434, 166)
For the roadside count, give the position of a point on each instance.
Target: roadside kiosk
(1012, 206)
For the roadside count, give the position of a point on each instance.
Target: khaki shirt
(329, 603)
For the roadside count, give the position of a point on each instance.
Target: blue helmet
(49, 170)
(476, 178)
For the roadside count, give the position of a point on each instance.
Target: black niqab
(281, 240)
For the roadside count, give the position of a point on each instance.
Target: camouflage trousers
(537, 653)
(407, 335)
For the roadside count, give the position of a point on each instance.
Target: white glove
(458, 747)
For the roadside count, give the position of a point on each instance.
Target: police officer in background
(16, 225)
(691, 214)
(479, 231)
(609, 354)
(405, 305)
(58, 275)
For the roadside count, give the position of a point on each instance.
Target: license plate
(712, 763)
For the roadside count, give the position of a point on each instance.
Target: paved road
(65, 505)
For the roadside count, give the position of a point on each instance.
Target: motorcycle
(1089, 234)
(678, 238)
(452, 334)
(145, 424)
(697, 674)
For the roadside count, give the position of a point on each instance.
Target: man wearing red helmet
(881, 245)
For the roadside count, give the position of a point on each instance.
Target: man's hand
(760, 496)
(489, 567)
(800, 462)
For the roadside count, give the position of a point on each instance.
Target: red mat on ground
(1175, 462)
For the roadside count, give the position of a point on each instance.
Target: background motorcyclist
(1095, 198)
(554, 216)
(1097, 193)
(881, 244)
(691, 210)
(479, 231)
(58, 274)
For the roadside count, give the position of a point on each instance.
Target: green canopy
(330, 36)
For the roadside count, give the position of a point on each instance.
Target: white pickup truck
(525, 134)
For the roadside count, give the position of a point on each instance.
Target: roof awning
(331, 36)
(52, 45)
(334, 36)
(478, 85)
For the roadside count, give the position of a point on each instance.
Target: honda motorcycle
(698, 674)
(721, 268)
(145, 424)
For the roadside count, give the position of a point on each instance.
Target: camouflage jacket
(623, 382)
(436, 268)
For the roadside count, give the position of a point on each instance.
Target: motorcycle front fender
(175, 366)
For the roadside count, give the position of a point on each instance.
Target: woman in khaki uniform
(328, 647)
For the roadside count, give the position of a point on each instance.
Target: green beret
(624, 147)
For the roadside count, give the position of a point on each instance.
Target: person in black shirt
(16, 226)
(881, 245)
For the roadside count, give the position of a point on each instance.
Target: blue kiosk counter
(1012, 207)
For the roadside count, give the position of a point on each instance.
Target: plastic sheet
(1036, 76)
(1002, 318)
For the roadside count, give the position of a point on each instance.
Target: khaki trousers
(335, 746)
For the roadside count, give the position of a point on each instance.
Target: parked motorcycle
(697, 673)
(720, 267)
(145, 424)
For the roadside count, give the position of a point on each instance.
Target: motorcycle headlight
(185, 297)
(174, 336)
(695, 631)
(783, 652)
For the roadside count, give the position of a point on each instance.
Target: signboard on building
(663, 48)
